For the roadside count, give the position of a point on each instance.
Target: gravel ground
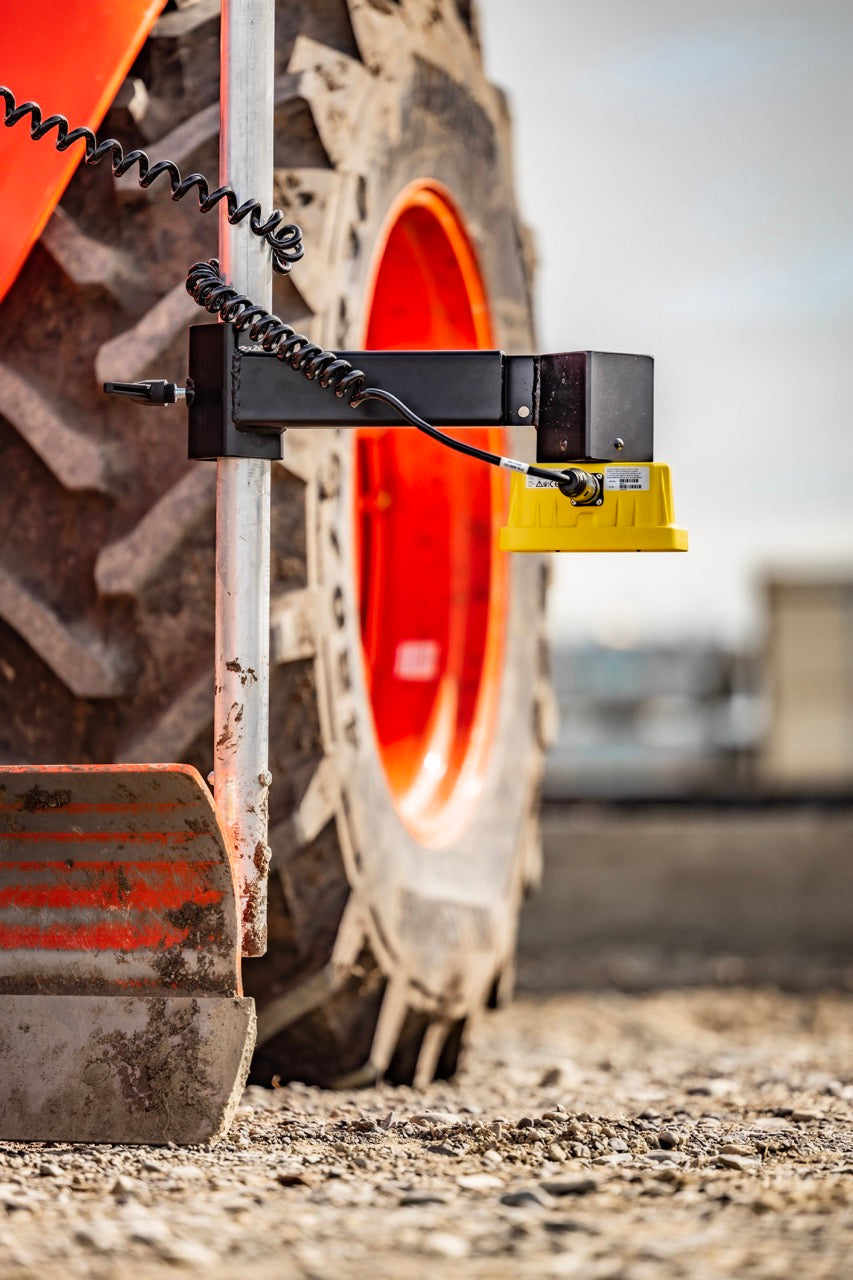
(689, 1134)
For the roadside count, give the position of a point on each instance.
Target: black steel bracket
(583, 405)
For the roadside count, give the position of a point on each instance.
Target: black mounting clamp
(591, 405)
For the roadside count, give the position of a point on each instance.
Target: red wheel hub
(432, 586)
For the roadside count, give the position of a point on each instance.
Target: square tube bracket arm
(586, 405)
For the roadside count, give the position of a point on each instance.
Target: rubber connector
(583, 489)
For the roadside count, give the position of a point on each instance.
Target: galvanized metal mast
(241, 723)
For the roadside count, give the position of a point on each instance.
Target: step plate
(121, 1010)
(149, 1069)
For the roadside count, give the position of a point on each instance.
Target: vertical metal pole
(241, 715)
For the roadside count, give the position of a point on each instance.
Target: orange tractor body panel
(70, 56)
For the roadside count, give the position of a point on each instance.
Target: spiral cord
(208, 287)
(284, 241)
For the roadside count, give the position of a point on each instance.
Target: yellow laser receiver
(594, 506)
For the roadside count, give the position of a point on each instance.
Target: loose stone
(570, 1186)
(525, 1198)
(737, 1162)
(479, 1182)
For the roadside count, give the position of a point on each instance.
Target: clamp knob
(152, 391)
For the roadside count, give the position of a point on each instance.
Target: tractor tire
(410, 705)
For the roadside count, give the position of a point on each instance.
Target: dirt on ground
(609, 1137)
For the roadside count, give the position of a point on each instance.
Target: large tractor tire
(408, 689)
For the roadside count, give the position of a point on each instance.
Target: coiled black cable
(284, 241)
(208, 288)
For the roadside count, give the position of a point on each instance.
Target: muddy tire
(393, 906)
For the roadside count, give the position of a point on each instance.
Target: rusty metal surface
(122, 1068)
(114, 879)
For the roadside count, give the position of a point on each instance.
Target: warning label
(622, 478)
(536, 482)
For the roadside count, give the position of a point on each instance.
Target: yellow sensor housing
(626, 507)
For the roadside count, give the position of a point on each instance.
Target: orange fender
(70, 56)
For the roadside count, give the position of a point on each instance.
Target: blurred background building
(808, 683)
(703, 720)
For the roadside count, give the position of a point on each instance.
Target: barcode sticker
(626, 478)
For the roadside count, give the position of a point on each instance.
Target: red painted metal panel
(114, 878)
(70, 56)
(137, 886)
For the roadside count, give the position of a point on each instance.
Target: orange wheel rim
(432, 586)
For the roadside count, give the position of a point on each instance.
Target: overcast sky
(687, 168)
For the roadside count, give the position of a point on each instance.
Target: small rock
(122, 1187)
(435, 1119)
(667, 1140)
(100, 1234)
(803, 1117)
(188, 1252)
(290, 1178)
(737, 1162)
(525, 1198)
(556, 1152)
(187, 1172)
(677, 1157)
(771, 1124)
(445, 1245)
(618, 1144)
(550, 1078)
(736, 1149)
(768, 1202)
(570, 1186)
(148, 1230)
(479, 1182)
(492, 1157)
(423, 1197)
(49, 1170)
(563, 1226)
(721, 1087)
